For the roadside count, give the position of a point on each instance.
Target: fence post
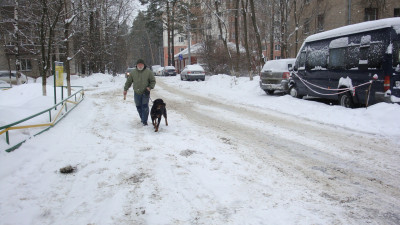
(7, 138)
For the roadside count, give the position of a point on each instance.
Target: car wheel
(294, 92)
(345, 100)
(269, 92)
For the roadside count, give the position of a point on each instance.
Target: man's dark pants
(142, 106)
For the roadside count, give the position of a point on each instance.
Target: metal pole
(54, 76)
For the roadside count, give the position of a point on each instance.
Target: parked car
(193, 72)
(128, 71)
(5, 76)
(160, 71)
(275, 75)
(340, 64)
(169, 71)
(154, 68)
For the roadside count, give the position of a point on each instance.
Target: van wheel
(269, 92)
(345, 100)
(294, 92)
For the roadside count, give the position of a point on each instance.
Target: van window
(317, 59)
(300, 64)
(337, 58)
(337, 53)
(375, 54)
(396, 53)
(353, 56)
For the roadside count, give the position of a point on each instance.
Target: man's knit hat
(140, 61)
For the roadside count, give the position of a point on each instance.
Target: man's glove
(146, 92)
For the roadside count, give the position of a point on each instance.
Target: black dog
(157, 110)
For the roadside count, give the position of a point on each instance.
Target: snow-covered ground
(230, 155)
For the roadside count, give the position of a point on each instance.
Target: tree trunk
(296, 22)
(223, 37)
(169, 33)
(258, 37)
(46, 55)
(246, 42)
(271, 36)
(67, 23)
(17, 42)
(237, 36)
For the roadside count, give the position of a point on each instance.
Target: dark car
(356, 65)
(169, 71)
(275, 75)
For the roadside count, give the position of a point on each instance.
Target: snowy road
(347, 168)
(216, 163)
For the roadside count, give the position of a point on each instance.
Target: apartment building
(21, 49)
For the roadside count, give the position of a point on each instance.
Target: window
(371, 14)
(26, 65)
(375, 54)
(277, 57)
(181, 39)
(300, 63)
(396, 54)
(320, 23)
(396, 12)
(337, 58)
(317, 58)
(277, 47)
(181, 49)
(353, 56)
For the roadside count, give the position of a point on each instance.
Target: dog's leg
(158, 123)
(165, 116)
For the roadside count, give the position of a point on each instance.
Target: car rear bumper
(283, 86)
(196, 77)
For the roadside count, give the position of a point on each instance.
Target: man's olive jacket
(141, 80)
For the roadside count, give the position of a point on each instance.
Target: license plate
(398, 84)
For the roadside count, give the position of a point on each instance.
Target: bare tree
(245, 35)
(50, 12)
(258, 37)
(237, 7)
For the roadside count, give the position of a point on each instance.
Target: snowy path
(216, 163)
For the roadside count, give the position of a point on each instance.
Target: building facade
(316, 16)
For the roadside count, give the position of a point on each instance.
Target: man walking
(143, 81)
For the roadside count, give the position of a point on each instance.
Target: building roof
(196, 48)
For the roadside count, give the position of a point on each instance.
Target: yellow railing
(57, 118)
